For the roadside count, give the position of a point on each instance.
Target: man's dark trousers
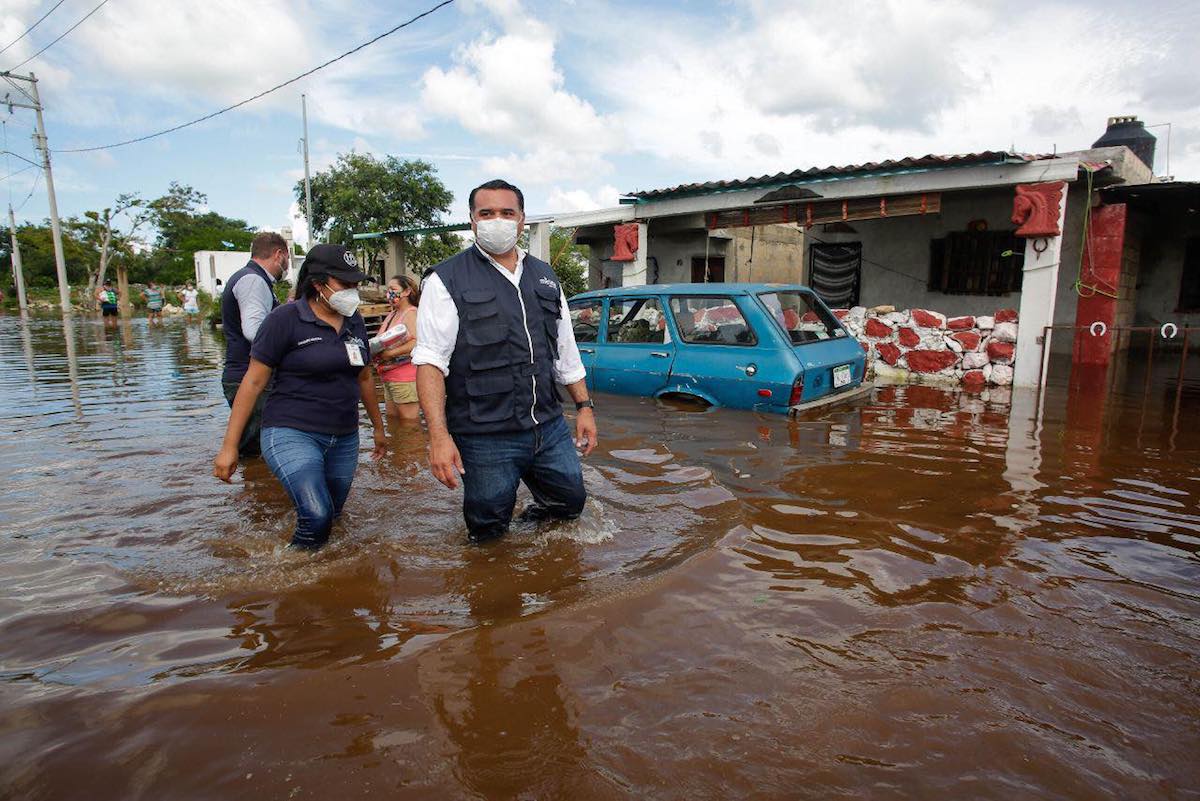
(544, 457)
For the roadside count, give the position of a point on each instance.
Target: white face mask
(496, 235)
(344, 301)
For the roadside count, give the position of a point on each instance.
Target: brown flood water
(925, 595)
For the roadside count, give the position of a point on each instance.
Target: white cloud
(546, 165)
(565, 200)
(509, 91)
(809, 84)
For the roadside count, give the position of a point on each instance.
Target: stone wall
(925, 346)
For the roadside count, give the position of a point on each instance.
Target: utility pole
(18, 273)
(307, 183)
(32, 101)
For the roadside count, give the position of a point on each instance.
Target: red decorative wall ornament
(625, 242)
(1035, 209)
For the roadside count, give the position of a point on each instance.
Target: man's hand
(225, 462)
(585, 431)
(444, 460)
(380, 444)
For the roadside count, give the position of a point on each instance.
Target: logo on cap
(349, 259)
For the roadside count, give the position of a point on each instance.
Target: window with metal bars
(976, 263)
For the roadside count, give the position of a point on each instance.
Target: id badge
(355, 354)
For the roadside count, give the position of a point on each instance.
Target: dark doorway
(716, 269)
(835, 272)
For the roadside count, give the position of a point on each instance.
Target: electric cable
(31, 27)
(60, 37)
(261, 94)
(37, 176)
(16, 173)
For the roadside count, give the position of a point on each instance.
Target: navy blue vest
(502, 368)
(237, 347)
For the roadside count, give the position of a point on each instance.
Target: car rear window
(801, 317)
(711, 320)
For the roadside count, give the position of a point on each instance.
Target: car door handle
(587, 350)
(658, 354)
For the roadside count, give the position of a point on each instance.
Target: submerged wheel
(685, 399)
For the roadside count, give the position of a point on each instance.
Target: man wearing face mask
(247, 300)
(495, 339)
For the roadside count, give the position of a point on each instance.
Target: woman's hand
(225, 462)
(380, 444)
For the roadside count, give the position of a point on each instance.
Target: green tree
(426, 251)
(360, 193)
(37, 253)
(184, 229)
(100, 230)
(569, 260)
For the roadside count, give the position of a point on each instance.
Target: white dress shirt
(437, 320)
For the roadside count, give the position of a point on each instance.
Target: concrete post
(539, 241)
(634, 273)
(18, 273)
(60, 266)
(397, 249)
(1038, 287)
(1102, 257)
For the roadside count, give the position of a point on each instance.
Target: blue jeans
(543, 457)
(316, 470)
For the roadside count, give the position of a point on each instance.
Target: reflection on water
(928, 593)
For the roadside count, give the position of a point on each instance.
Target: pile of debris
(928, 347)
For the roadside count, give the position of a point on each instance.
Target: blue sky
(580, 101)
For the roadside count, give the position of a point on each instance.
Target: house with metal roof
(962, 235)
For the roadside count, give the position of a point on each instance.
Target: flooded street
(918, 596)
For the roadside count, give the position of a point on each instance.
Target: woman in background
(394, 365)
(154, 302)
(108, 304)
(191, 304)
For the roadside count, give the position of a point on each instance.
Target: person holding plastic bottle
(394, 364)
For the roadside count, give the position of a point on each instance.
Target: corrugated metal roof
(908, 163)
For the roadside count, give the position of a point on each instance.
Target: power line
(37, 176)
(260, 94)
(34, 25)
(18, 172)
(60, 38)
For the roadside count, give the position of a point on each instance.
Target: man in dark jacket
(493, 339)
(247, 300)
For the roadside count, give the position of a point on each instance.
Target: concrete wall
(767, 254)
(899, 248)
(1162, 252)
(778, 252)
(896, 253)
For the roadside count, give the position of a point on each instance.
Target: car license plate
(841, 376)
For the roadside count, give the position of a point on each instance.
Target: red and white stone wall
(924, 346)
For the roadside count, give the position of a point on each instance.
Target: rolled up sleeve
(254, 302)
(568, 367)
(437, 322)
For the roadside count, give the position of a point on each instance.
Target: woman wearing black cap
(317, 348)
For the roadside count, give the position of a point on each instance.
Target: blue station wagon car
(770, 347)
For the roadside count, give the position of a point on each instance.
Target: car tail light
(764, 393)
(797, 390)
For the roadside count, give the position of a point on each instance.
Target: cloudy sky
(578, 101)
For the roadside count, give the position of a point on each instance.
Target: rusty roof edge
(907, 165)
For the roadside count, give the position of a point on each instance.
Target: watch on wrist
(587, 404)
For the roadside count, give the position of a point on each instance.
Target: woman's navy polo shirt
(316, 386)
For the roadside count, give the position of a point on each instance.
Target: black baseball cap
(334, 260)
